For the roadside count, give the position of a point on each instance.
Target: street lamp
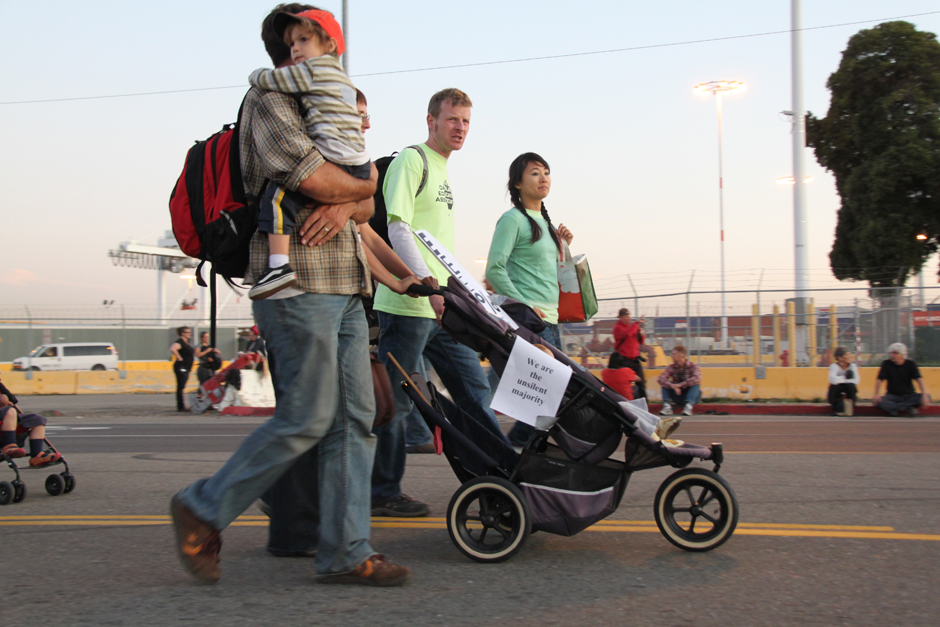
(717, 88)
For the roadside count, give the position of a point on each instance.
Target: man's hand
(325, 222)
(437, 302)
(875, 400)
(431, 282)
(404, 284)
(925, 400)
(640, 321)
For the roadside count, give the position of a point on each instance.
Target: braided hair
(516, 170)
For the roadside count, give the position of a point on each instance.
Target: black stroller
(564, 480)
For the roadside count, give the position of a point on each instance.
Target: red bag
(208, 209)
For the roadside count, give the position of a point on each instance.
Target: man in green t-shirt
(410, 328)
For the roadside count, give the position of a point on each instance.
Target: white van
(83, 356)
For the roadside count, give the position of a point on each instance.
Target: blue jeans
(416, 429)
(410, 339)
(899, 402)
(324, 393)
(521, 432)
(690, 395)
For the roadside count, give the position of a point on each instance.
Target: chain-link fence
(769, 327)
(766, 327)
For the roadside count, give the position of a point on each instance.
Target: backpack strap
(424, 173)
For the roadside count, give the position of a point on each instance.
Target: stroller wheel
(55, 485)
(696, 509)
(488, 519)
(19, 491)
(6, 493)
(69, 481)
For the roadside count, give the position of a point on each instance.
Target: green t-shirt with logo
(432, 210)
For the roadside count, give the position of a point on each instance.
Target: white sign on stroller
(453, 266)
(533, 384)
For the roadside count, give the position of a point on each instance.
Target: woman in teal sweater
(522, 263)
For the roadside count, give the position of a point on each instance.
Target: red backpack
(211, 218)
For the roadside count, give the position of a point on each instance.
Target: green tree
(881, 140)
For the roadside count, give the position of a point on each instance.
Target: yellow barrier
(90, 382)
(805, 384)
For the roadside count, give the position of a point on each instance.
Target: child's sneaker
(44, 459)
(272, 281)
(13, 451)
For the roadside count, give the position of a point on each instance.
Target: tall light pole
(717, 88)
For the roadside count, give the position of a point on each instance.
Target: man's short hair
(180, 330)
(899, 348)
(623, 312)
(273, 44)
(679, 348)
(454, 96)
(361, 98)
(839, 352)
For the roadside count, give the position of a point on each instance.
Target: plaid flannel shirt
(685, 376)
(274, 146)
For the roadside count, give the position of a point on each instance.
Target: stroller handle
(420, 289)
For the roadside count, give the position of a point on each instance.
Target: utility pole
(346, 36)
(798, 353)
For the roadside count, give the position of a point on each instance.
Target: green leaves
(881, 140)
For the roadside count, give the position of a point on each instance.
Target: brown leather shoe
(375, 571)
(197, 543)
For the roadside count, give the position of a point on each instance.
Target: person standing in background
(182, 363)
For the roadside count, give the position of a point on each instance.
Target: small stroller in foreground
(56, 483)
(564, 480)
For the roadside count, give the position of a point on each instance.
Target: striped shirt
(275, 147)
(329, 98)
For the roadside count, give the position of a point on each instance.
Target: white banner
(453, 266)
(533, 384)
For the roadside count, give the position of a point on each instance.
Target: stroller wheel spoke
(709, 518)
(688, 492)
(503, 532)
(692, 524)
(483, 534)
(702, 501)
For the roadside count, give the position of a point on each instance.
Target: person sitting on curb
(680, 381)
(843, 382)
(900, 373)
(10, 417)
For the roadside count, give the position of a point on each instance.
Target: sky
(632, 149)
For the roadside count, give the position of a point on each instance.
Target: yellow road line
(622, 526)
(423, 522)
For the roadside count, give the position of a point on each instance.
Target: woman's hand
(564, 234)
(404, 284)
(539, 312)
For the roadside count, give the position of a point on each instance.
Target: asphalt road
(838, 527)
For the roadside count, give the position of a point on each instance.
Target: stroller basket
(564, 496)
